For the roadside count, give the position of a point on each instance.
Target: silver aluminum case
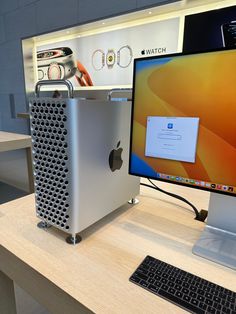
(74, 184)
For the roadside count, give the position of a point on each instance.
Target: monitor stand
(218, 240)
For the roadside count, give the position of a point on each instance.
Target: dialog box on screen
(172, 138)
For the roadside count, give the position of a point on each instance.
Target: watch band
(96, 53)
(82, 76)
(127, 47)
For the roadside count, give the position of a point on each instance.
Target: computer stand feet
(133, 201)
(73, 239)
(43, 225)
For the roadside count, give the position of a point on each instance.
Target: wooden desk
(94, 275)
(12, 141)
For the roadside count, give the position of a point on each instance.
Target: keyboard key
(171, 290)
(231, 299)
(193, 288)
(164, 287)
(211, 310)
(151, 275)
(187, 298)
(143, 283)
(186, 285)
(202, 306)
(200, 298)
(185, 291)
(151, 280)
(208, 302)
(193, 294)
(135, 278)
(143, 270)
(153, 288)
(179, 294)
(194, 302)
(208, 295)
(142, 276)
(217, 299)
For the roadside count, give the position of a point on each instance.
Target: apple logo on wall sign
(115, 160)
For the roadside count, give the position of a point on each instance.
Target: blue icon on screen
(170, 125)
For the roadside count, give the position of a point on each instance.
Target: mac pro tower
(80, 157)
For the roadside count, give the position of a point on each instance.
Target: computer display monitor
(183, 131)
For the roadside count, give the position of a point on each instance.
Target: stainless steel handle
(55, 82)
(114, 90)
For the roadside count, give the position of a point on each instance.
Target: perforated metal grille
(50, 159)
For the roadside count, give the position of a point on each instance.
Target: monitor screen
(184, 120)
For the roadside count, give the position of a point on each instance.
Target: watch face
(110, 58)
(54, 72)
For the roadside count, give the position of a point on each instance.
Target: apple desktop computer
(184, 132)
(80, 158)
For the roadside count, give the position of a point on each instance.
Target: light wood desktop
(93, 276)
(12, 141)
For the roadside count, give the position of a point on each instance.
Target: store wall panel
(25, 2)
(9, 122)
(10, 107)
(15, 126)
(10, 53)
(53, 15)
(8, 5)
(12, 78)
(2, 30)
(20, 23)
(13, 167)
(18, 106)
(148, 3)
(93, 10)
(5, 104)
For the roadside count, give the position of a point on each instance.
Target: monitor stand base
(218, 246)
(218, 240)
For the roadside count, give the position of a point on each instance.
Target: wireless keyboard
(186, 290)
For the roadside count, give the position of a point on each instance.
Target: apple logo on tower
(115, 160)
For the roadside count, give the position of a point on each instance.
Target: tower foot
(73, 239)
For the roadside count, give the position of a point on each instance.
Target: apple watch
(124, 56)
(110, 58)
(59, 63)
(56, 63)
(98, 59)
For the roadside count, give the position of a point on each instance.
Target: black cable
(199, 215)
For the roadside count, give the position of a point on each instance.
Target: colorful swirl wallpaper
(199, 85)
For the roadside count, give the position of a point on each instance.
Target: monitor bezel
(132, 119)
